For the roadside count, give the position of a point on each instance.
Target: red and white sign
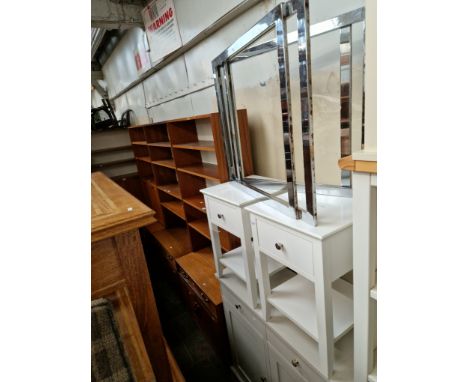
(162, 29)
(142, 59)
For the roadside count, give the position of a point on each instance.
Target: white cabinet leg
(361, 267)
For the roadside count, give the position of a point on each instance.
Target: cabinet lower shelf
(235, 262)
(296, 300)
(281, 328)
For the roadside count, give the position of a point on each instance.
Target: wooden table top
(348, 163)
(114, 210)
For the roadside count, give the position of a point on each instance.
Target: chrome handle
(295, 362)
(220, 216)
(278, 246)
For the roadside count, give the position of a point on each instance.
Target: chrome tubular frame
(242, 49)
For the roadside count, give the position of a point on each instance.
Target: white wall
(185, 76)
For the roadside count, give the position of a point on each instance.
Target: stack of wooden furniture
(119, 273)
(175, 160)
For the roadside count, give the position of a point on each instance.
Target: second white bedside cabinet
(319, 255)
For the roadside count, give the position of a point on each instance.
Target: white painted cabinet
(300, 330)
(250, 359)
(281, 370)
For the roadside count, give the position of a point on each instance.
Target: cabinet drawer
(284, 361)
(286, 247)
(243, 310)
(225, 216)
(203, 300)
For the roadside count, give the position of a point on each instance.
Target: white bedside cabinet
(225, 205)
(319, 255)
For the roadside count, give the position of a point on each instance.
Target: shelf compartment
(307, 348)
(296, 300)
(198, 145)
(235, 262)
(137, 134)
(201, 226)
(203, 170)
(196, 201)
(156, 133)
(176, 207)
(144, 159)
(160, 144)
(171, 189)
(175, 241)
(169, 163)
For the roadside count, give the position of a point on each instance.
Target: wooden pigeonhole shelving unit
(175, 160)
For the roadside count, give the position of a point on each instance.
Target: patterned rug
(109, 362)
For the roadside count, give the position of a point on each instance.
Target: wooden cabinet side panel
(132, 258)
(105, 264)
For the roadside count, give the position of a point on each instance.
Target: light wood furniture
(175, 160)
(117, 258)
(130, 334)
(364, 265)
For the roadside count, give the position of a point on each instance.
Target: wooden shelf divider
(196, 201)
(176, 207)
(165, 163)
(200, 145)
(203, 170)
(171, 189)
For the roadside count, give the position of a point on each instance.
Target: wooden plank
(114, 163)
(203, 170)
(196, 201)
(114, 210)
(176, 207)
(201, 226)
(129, 330)
(133, 263)
(200, 145)
(111, 149)
(201, 269)
(175, 241)
(347, 163)
(169, 163)
(160, 144)
(171, 189)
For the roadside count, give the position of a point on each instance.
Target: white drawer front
(287, 366)
(225, 216)
(244, 310)
(286, 247)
